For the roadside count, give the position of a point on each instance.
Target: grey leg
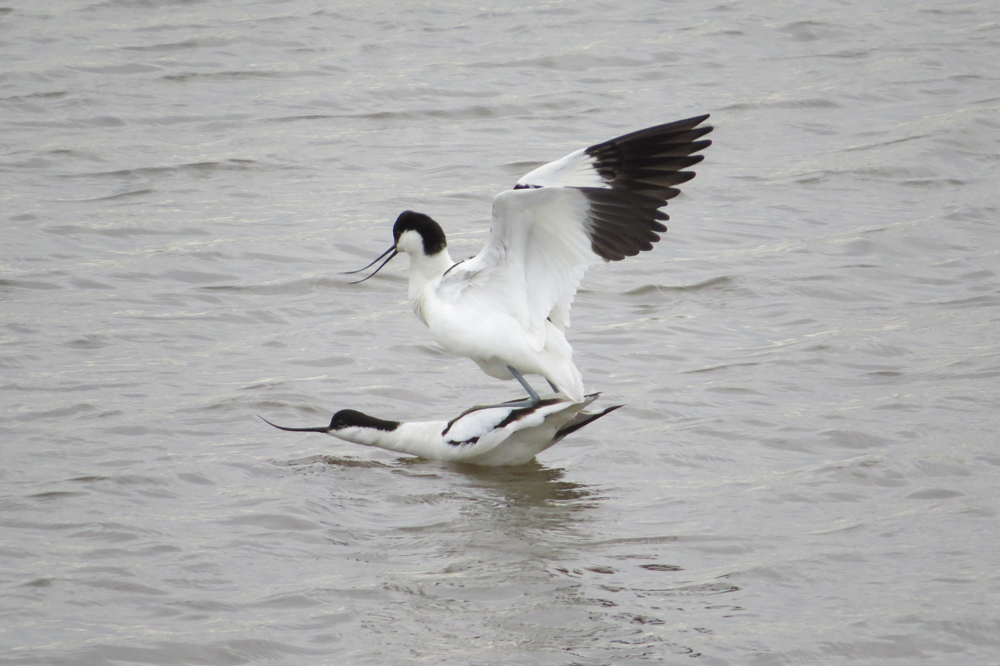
(526, 385)
(532, 399)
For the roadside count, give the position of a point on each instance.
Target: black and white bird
(490, 436)
(507, 308)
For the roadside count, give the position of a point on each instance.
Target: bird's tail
(569, 381)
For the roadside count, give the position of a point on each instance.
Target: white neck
(425, 270)
(418, 439)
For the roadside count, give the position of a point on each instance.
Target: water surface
(805, 472)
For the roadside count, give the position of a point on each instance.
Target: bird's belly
(492, 341)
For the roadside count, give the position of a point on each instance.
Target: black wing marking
(514, 415)
(621, 223)
(582, 419)
(651, 161)
(641, 171)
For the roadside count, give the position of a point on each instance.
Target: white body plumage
(508, 307)
(489, 436)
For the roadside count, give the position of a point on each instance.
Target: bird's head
(345, 418)
(414, 234)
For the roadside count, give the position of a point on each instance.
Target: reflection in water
(522, 544)
(522, 502)
(335, 461)
(532, 484)
(458, 541)
(810, 356)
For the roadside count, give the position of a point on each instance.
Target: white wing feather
(534, 260)
(473, 425)
(574, 170)
(600, 202)
(483, 426)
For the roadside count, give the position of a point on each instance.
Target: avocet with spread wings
(507, 308)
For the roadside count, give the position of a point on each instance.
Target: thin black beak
(320, 429)
(392, 252)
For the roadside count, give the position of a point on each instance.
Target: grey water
(806, 469)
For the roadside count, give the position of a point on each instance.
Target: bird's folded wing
(475, 423)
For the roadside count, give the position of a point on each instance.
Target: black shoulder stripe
(452, 266)
(517, 414)
(468, 441)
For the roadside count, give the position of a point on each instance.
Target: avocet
(492, 435)
(507, 308)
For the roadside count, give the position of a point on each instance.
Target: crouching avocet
(507, 308)
(491, 436)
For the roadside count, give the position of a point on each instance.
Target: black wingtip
(586, 419)
(642, 171)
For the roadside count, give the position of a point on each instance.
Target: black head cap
(347, 418)
(429, 230)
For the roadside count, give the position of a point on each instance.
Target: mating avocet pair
(508, 307)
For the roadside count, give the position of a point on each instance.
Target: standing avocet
(492, 436)
(507, 308)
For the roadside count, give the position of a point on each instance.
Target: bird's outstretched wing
(601, 202)
(650, 161)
